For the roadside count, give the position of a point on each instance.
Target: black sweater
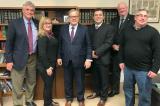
(47, 52)
(140, 49)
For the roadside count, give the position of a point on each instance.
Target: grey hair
(141, 9)
(73, 10)
(29, 3)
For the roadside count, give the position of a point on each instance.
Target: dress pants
(71, 72)
(29, 74)
(101, 80)
(48, 85)
(115, 82)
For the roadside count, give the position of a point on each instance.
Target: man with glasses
(75, 56)
(139, 58)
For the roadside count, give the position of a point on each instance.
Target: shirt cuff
(89, 60)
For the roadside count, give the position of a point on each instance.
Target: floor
(117, 100)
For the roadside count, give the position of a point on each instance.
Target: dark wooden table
(155, 98)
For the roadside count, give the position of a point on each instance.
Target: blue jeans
(144, 86)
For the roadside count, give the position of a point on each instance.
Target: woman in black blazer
(47, 55)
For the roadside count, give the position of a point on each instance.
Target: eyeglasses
(47, 23)
(73, 16)
(141, 15)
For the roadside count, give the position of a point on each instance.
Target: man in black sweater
(139, 58)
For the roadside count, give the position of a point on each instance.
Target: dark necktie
(30, 38)
(72, 33)
(121, 22)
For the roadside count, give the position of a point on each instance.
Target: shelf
(9, 93)
(2, 51)
(3, 24)
(2, 39)
(2, 65)
(5, 77)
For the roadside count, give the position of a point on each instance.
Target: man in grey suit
(101, 37)
(21, 54)
(75, 56)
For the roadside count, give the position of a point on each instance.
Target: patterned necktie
(72, 33)
(30, 38)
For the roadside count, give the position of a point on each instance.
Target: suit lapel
(66, 34)
(23, 28)
(125, 22)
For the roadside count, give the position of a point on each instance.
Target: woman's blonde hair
(41, 31)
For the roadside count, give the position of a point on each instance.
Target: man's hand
(94, 54)
(122, 66)
(59, 62)
(9, 66)
(151, 74)
(115, 47)
(87, 64)
(49, 71)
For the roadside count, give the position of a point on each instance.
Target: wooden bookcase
(59, 17)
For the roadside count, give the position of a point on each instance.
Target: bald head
(122, 9)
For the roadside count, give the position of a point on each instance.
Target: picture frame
(65, 18)
(152, 6)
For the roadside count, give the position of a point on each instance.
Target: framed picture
(151, 5)
(65, 18)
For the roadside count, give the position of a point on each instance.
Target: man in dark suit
(101, 37)
(21, 55)
(119, 23)
(75, 55)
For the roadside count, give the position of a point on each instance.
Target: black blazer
(78, 50)
(101, 41)
(115, 23)
(47, 52)
(17, 43)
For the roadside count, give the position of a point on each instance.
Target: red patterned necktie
(72, 33)
(30, 38)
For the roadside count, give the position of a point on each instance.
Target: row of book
(59, 16)
(87, 15)
(2, 58)
(6, 86)
(2, 46)
(6, 15)
(3, 31)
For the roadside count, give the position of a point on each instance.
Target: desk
(58, 85)
(155, 98)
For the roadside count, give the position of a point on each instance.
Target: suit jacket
(115, 23)
(101, 41)
(78, 50)
(47, 52)
(17, 43)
